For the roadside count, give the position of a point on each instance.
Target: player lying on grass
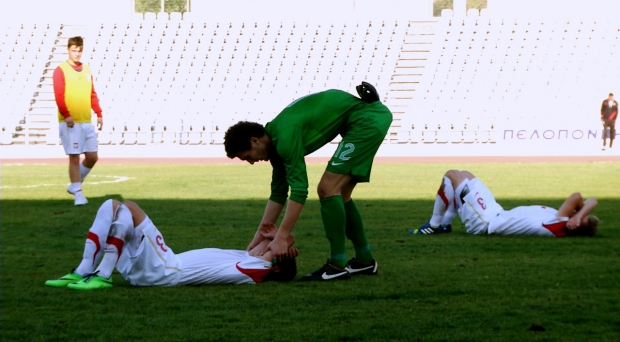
(461, 191)
(124, 237)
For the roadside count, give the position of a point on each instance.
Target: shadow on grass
(453, 286)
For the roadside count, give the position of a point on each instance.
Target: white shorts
(78, 139)
(478, 206)
(152, 263)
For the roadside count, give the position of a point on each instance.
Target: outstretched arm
(279, 246)
(272, 212)
(576, 209)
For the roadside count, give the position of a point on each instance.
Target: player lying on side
(462, 192)
(124, 237)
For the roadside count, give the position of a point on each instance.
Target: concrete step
(414, 55)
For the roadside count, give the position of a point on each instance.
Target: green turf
(453, 287)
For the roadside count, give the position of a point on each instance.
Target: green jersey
(303, 127)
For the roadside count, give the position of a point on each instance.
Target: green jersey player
(303, 127)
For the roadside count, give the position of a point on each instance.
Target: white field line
(116, 179)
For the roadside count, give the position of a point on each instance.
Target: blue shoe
(427, 229)
(446, 228)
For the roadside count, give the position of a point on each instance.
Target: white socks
(84, 171)
(444, 204)
(120, 232)
(74, 187)
(95, 241)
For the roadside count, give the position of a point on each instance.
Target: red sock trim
(442, 194)
(92, 236)
(116, 242)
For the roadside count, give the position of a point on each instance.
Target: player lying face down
(123, 237)
(462, 192)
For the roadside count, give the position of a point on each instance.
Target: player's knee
(74, 159)
(324, 190)
(115, 205)
(92, 158)
(131, 205)
(137, 213)
(452, 174)
(468, 174)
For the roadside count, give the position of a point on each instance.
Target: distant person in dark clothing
(609, 113)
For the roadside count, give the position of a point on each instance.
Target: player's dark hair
(611, 94)
(287, 271)
(237, 137)
(77, 41)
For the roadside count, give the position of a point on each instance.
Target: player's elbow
(576, 196)
(592, 201)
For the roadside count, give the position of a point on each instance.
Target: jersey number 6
(160, 242)
(481, 202)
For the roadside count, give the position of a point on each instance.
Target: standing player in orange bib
(75, 96)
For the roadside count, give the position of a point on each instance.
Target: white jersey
(153, 263)
(529, 220)
(222, 266)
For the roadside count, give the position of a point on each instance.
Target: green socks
(343, 220)
(334, 222)
(356, 233)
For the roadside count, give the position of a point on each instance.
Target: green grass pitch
(453, 287)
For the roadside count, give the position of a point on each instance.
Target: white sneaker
(79, 198)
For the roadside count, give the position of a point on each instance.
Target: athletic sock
(95, 240)
(445, 195)
(84, 171)
(450, 214)
(334, 223)
(75, 187)
(113, 249)
(120, 233)
(356, 233)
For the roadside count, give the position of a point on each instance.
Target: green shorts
(365, 131)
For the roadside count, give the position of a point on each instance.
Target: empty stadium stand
(176, 79)
(484, 73)
(185, 82)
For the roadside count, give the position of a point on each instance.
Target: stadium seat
(6, 138)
